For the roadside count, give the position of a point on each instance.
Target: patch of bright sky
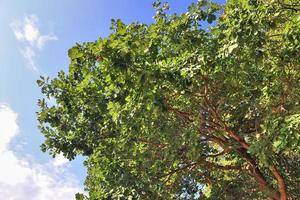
(59, 25)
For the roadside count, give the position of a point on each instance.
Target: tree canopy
(199, 105)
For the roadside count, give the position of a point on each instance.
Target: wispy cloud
(29, 55)
(27, 31)
(23, 179)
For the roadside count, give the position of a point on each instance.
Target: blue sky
(35, 36)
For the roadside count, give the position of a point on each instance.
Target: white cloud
(28, 32)
(21, 179)
(29, 55)
(43, 39)
(60, 160)
(8, 126)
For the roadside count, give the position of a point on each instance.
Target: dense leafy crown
(176, 110)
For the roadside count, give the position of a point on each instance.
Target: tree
(173, 110)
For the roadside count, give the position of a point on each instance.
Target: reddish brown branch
(255, 171)
(181, 114)
(280, 182)
(257, 174)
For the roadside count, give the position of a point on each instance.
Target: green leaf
(75, 53)
(211, 18)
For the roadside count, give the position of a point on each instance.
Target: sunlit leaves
(143, 103)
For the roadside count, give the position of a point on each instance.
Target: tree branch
(280, 182)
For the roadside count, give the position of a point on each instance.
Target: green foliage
(173, 110)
